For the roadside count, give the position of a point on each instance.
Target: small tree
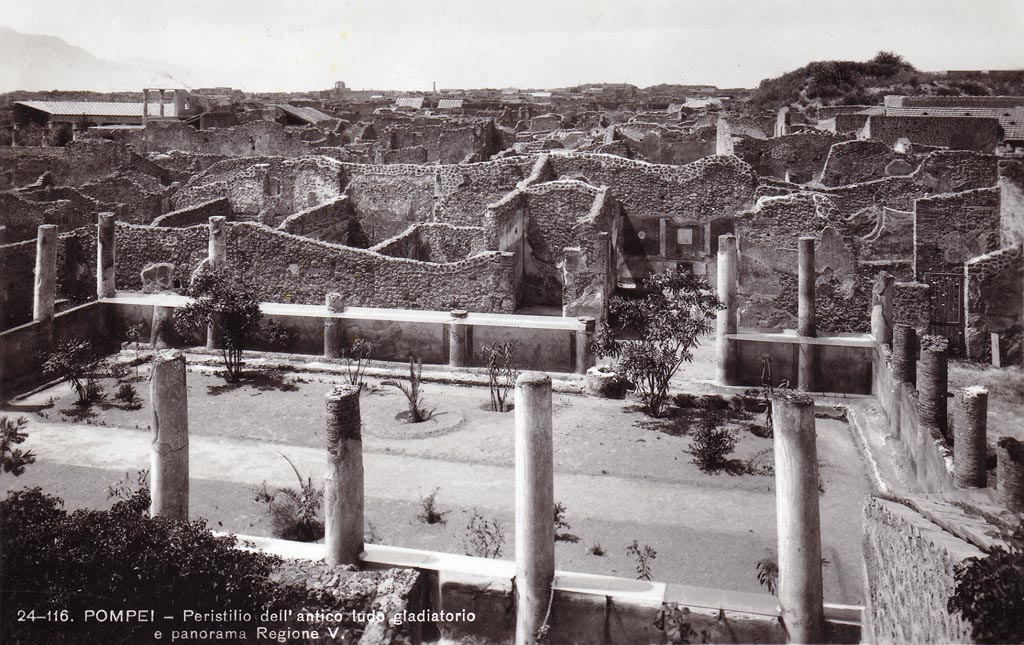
(356, 358)
(231, 308)
(669, 320)
(643, 555)
(417, 413)
(75, 362)
(500, 359)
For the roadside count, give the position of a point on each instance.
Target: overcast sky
(264, 45)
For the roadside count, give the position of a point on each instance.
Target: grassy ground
(620, 475)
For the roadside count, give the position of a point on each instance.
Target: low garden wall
(842, 365)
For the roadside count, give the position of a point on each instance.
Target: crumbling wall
(955, 133)
(140, 197)
(433, 242)
(137, 246)
(797, 157)
(909, 562)
(21, 166)
(332, 221)
(952, 228)
(465, 190)
(851, 162)
(388, 199)
(23, 217)
(198, 214)
(259, 138)
(663, 144)
(88, 160)
(1011, 201)
(995, 305)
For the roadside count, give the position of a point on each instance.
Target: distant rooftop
(413, 102)
(97, 108)
(449, 104)
(1012, 119)
(310, 115)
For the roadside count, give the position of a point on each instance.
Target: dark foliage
(502, 372)
(990, 591)
(76, 362)
(13, 460)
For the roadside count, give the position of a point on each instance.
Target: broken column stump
(970, 449)
(343, 483)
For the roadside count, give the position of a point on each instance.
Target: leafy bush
(500, 359)
(712, 442)
(561, 523)
(670, 320)
(54, 561)
(76, 362)
(355, 358)
(294, 513)
(768, 575)
(231, 308)
(643, 555)
(990, 591)
(128, 396)
(483, 537)
(12, 433)
(417, 413)
(275, 336)
(429, 513)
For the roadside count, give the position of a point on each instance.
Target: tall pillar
(459, 350)
(535, 504)
(904, 353)
(932, 372)
(805, 314)
(343, 483)
(169, 448)
(797, 517)
(46, 273)
(1010, 473)
(105, 277)
(334, 330)
(970, 449)
(881, 307)
(216, 258)
(725, 323)
(584, 344)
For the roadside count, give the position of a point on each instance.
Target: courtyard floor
(620, 475)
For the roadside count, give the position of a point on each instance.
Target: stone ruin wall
(854, 162)
(952, 228)
(197, 214)
(801, 156)
(76, 274)
(1011, 201)
(994, 293)
(909, 563)
(23, 217)
(956, 133)
(332, 221)
(434, 242)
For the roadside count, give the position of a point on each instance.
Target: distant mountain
(36, 62)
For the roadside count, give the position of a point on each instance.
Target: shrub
(356, 358)
(768, 575)
(294, 513)
(712, 442)
(12, 433)
(597, 550)
(417, 413)
(670, 319)
(275, 336)
(231, 308)
(990, 591)
(500, 359)
(561, 523)
(58, 561)
(128, 396)
(483, 537)
(429, 513)
(75, 362)
(643, 555)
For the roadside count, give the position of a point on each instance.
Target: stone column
(797, 517)
(881, 307)
(145, 104)
(805, 314)
(584, 339)
(535, 504)
(216, 259)
(970, 449)
(46, 273)
(932, 373)
(161, 330)
(343, 483)
(1010, 473)
(459, 350)
(169, 451)
(334, 330)
(105, 277)
(904, 353)
(726, 318)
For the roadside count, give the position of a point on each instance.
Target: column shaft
(169, 485)
(970, 448)
(726, 318)
(45, 292)
(105, 256)
(343, 483)
(806, 325)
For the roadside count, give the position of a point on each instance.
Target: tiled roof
(1012, 119)
(307, 114)
(449, 104)
(414, 102)
(97, 108)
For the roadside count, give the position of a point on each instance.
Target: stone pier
(535, 504)
(45, 292)
(460, 351)
(797, 517)
(1010, 473)
(970, 449)
(105, 277)
(216, 259)
(584, 342)
(932, 372)
(806, 325)
(343, 483)
(725, 323)
(881, 307)
(169, 451)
